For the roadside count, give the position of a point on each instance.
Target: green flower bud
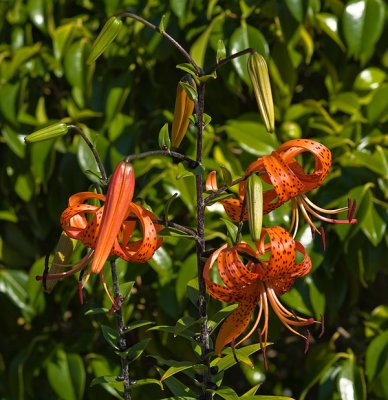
(105, 38)
(254, 199)
(47, 133)
(258, 73)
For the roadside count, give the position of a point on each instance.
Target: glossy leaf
(66, 374)
(363, 25)
(242, 38)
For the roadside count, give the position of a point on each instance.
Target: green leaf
(177, 388)
(136, 325)
(190, 91)
(164, 137)
(135, 351)
(348, 387)
(231, 228)
(242, 38)
(251, 136)
(183, 324)
(373, 226)
(221, 50)
(13, 285)
(251, 392)
(376, 363)
(111, 336)
(363, 24)
(178, 367)
(329, 24)
(66, 375)
(187, 68)
(226, 393)
(377, 109)
(178, 7)
(369, 79)
(198, 49)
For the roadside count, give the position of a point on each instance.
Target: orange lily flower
(291, 182)
(108, 229)
(257, 281)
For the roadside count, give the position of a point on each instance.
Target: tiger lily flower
(290, 182)
(257, 282)
(108, 229)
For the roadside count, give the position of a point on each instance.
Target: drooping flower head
(257, 282)
(108, 229)
(290, 181)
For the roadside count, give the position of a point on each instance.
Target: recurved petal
(140, 250)
(233, 208)
(237, 322)
(289, 150)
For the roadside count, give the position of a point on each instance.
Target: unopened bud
(184, 107)
(254, 199)
(50, 132)
(108, 33)
(258, 73)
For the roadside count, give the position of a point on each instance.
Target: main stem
(123, 342)
(202, 305)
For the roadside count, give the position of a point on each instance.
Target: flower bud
(47, 133)
(110, 30)
(184, 107)
(254, 199)
(258, 73)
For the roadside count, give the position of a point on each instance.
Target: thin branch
(222, 189)
(192, 163)
(123, 342)
(166, 36)
(104, 178)
(225, 60)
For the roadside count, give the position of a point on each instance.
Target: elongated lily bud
(62, 256)
(254, 199)
(110, 30)
(116, 209)
(47, 133)
(184, 107)
(258, 73)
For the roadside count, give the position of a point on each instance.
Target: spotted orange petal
(289, 150)
(239, 319)
(140, 250)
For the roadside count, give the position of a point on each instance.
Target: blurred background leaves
(328, 62)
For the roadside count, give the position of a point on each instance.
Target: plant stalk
(121, 326)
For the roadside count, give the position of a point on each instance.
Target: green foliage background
(328, 62)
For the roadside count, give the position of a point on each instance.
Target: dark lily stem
(200, 247)
(225, 60)
(168, 153)
(241, 223)
(104, 178)
(166, 36)
(123, 343)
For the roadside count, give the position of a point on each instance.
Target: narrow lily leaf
(164, 137)
(135, 351)
(221, 50)
(47, 133)
(137, 325)
(226, 393)
(177, 388)
(183, 324)
(97, 310)
(226, 175)
(109, 379)
(111, 336)
(162, 24)
(251, 392)
(187, 68)
(178, 367)
(105, 38)
(231, 227)
(190, 91)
